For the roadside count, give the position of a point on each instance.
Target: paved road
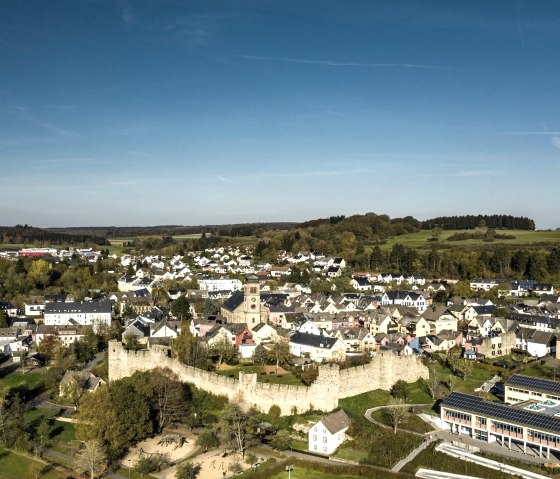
(399, 465)
(373, 409)
(95, 361)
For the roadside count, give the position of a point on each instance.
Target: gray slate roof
(336, 422)
(77, 308)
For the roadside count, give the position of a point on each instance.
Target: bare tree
(93, 456)
(397, 411)
(238, 426)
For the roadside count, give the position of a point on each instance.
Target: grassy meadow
(522, 237)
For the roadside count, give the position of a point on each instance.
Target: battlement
(331, 384)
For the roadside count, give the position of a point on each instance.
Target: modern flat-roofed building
(521, 388)
(506, 425)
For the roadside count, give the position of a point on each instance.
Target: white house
(223, 284)
(317, 348)
(405, 298)
(361, 284)
(96, 314)
(328, 433)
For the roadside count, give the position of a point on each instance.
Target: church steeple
(252, 293)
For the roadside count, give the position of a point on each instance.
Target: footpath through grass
(20, 466)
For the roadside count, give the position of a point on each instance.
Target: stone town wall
(330, 385)
(384, 370)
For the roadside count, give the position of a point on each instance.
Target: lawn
(312, 470)
(304, 473)
(356, 406)
(430, 459)
(19, 466)
(413, 422)
(59, 432)
(283, 377)
(124, 472)
(15, 378)
(523, 465)
(30, 383)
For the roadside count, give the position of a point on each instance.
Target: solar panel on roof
(544, 385)
(476, 405)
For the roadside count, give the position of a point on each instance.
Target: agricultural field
(522, 237)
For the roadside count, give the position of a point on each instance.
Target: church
(245, 306)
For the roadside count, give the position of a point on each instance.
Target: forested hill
(474, 221)
(30, 235)
(368, 227)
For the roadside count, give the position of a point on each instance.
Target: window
(315, 437)
(324, 449)
(325, 440)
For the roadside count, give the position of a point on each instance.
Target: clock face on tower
(253, 300)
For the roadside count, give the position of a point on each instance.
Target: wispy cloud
(478, 173)
(466, 173)
(23, 112)
(331, 63)
(301, 174)
(555, 141)
(530, 133)
(143, 154)
(167, 20)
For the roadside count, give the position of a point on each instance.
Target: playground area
(176, 445)
(214, 464)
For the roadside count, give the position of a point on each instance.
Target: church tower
(252, 301)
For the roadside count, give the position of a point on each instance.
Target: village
(241, 317)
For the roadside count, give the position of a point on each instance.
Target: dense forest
(24, 234)
(368, 227)
(468, 222)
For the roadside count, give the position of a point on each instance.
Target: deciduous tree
(397, 411)
(280, 352)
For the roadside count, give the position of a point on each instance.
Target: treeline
(498, 262)
(24, 234)
(246, 229)
(468, 222)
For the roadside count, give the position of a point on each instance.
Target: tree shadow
(6, 370)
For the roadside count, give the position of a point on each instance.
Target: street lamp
(289, 468)
(129, 461)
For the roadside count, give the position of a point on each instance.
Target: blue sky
(146, 112)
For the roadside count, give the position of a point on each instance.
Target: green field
(522, 237)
